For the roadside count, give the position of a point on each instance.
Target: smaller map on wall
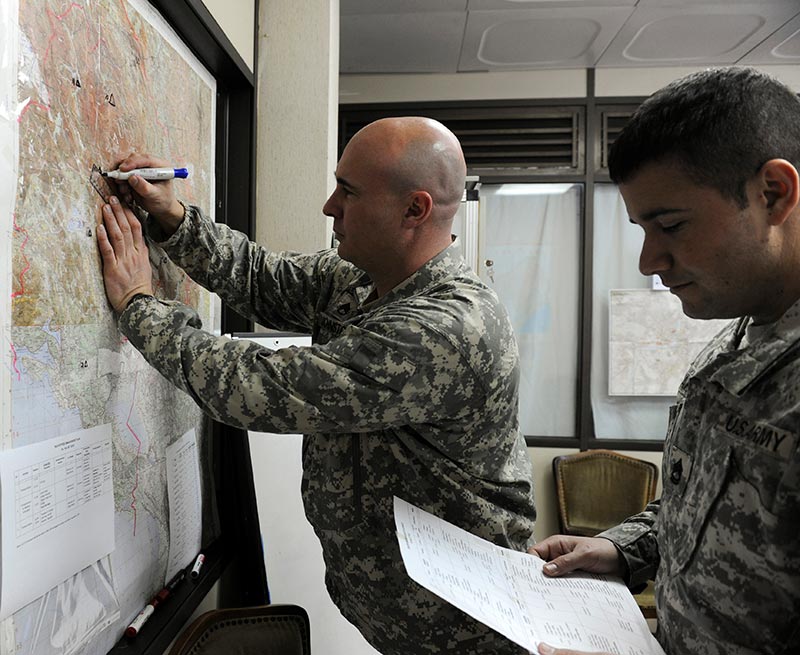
(652, 342)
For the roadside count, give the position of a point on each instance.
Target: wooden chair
(596, 490)
(260, 630)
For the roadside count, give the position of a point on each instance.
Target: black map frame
(236, 558)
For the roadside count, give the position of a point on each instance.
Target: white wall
(463, 86)
(237, 20)
(644, 81)
(521, 84)
(292, 552)
(297, 88)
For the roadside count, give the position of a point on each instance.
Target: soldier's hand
(564, 554)
(126, 261)
(157, 198)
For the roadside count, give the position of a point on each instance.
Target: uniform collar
(441, 267)
(769, 351)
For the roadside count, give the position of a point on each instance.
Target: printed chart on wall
(652, 342)
(85, 423)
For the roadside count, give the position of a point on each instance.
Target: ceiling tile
(539, 38)
(694, 34)
(782, 47)
(401, 43)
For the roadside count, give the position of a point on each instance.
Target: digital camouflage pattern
(727, 528)
(413, 394)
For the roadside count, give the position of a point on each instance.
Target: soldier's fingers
(122, 222)
(554, 546)
(140, 160)
(106, 251)
(541, 550)
(136, 229)
(564, 564)
(112, 228)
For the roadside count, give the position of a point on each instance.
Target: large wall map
(83, 83)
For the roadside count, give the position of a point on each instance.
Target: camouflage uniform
(725, 536)
(413, 394)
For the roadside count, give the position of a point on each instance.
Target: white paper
(506, 590)
(185, 503)
(57, 513)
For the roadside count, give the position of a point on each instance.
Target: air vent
(501, 141)
(612, 119)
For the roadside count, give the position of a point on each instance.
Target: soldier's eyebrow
(342, 182)
(655, 213)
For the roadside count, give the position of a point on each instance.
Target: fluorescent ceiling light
(531, 189)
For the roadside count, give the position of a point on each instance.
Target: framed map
(81, 85)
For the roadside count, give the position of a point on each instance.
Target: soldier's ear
(779, 189)
(418, 208)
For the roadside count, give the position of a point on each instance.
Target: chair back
(260, 630)
(597, 489)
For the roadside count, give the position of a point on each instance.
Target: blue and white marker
(149, 173)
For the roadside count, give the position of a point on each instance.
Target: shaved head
(416, 154)
(399, 184)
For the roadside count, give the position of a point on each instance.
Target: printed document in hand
(507, 590)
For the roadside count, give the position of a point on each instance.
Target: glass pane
(616, 249)
(530, 255)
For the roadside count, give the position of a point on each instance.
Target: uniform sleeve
(369, 378)
(636, 540)
(279, 290)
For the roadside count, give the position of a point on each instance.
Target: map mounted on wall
(652, 342)
(83, 84)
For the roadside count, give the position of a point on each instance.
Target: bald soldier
(410, 387)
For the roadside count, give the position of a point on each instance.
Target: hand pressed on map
(156, 198)
(126, 261)
(565, 553)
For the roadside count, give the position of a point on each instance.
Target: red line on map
(124, 7)
(68, 10)
(14, 361)
(138, 452)
(59, 18)
(142, 67)
(27, 266)
(28, 105)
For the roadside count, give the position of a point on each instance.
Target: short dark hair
(721, 125)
